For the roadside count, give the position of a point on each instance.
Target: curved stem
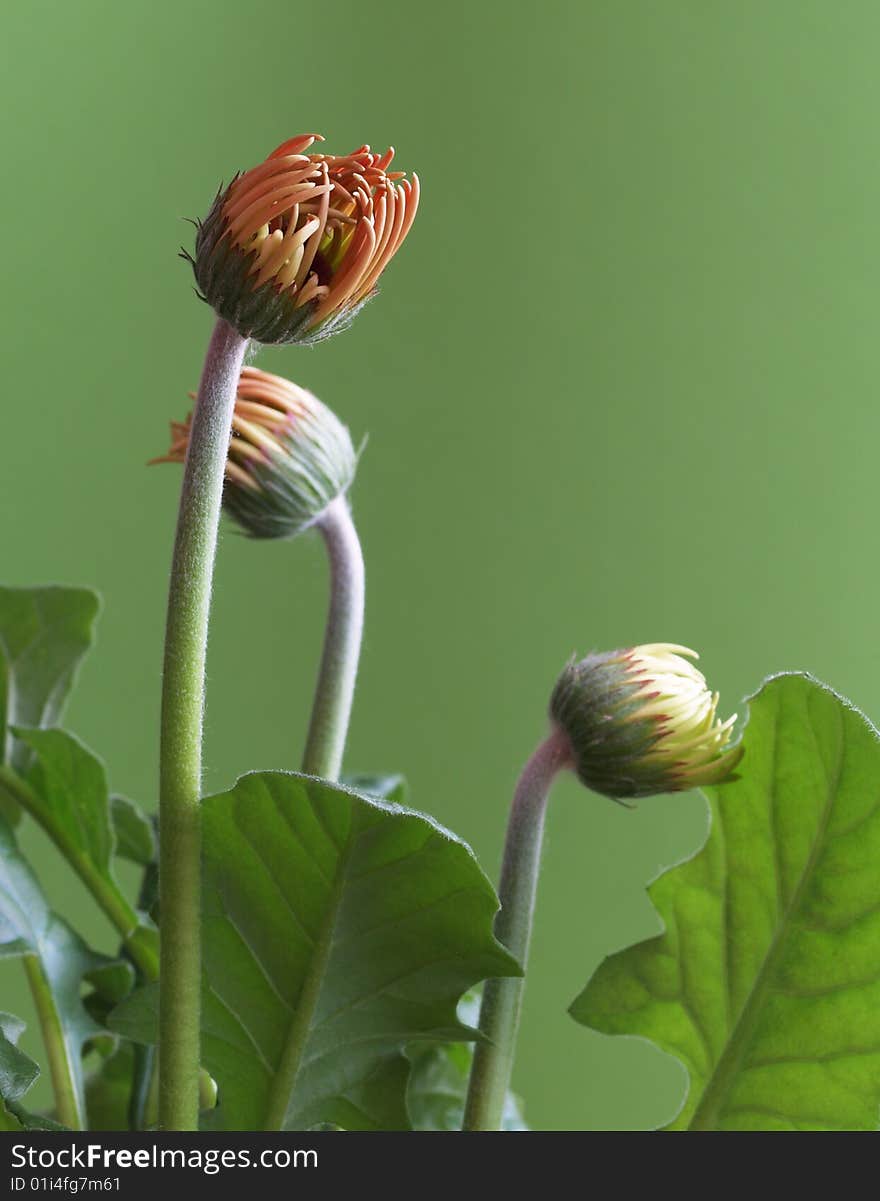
(181, 730)
(331, 708)
(502, 999)
(68, 1106)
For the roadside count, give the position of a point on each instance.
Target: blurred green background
(620, 386)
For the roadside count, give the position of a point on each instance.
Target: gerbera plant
(305, 950)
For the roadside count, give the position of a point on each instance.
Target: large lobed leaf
(766, 981)
(338, 929)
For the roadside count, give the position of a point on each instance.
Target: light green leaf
(439, 1078)
(44, 633)
(66, 792)
(766, 981)
(338, 929)
(29, 928)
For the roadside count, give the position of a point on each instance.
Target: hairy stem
(502, 999)
(68, 1109)
(180, 773)
(331, 708)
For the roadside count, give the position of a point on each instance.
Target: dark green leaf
(439, 1077)
(66, 792)
(16, 1117)
(108, 1090)
(17, 1070)
(29, 928)
(118, 1087)
(71, 790)
(44, 633)
(766, 981)
(111, 980)
(135, 839)
(17, 1073)
(338, 929)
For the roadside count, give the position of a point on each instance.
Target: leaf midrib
(299, 1030)
(727, 1067)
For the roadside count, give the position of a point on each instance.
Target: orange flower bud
(294, 247)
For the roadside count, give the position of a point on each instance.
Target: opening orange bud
(294, 247)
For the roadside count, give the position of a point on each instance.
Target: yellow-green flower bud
(642, 721)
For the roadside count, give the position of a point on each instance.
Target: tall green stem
(180, 773)
(68, 1109)
(334, 694)
(502, 999)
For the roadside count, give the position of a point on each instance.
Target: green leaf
(29, 928)
(17, 1073)
(388, 787)
(108, 1090)
(338, 929)
(44, 633)
(118, 1091)
(17, 1070)
(766, 981)
(439, 1076)
(72, 799)
(135, 837)
(66, 792)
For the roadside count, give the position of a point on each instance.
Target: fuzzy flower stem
(180, 773)
(502, 999)
(331, 708)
